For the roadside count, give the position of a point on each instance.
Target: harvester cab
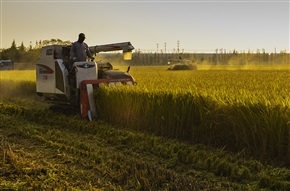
(73, 87)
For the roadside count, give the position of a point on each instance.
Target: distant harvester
(181, 64)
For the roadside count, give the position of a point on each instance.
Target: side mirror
(127, 55)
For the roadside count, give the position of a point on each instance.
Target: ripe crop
(239, 109)
(234, 107)
(245, 111)
(17, 83)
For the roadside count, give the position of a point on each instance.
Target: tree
(13, 46)
(10, 53)
(22, 47)
(30, 46)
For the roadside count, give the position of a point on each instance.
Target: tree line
(28, 54)
(22, 54)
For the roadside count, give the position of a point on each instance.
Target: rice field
(19, 83)
(237, 109)
(41, 150)
(205, 114)
(233, 107)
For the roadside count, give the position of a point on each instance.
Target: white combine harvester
(75, 89)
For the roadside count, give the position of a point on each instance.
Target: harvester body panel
(45, 71)
(85, 71)
(51, 74)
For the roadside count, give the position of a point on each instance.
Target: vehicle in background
(6, 65)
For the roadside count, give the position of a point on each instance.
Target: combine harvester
(74, 89)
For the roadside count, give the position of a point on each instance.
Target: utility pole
(157, 47)
(178, 46)
(165, 47)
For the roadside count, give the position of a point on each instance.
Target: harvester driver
(80, 50)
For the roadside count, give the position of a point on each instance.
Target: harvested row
(65, 156)
(63, 152)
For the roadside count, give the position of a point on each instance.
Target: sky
(151, 26)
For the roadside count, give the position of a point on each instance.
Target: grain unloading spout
(126, 47)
